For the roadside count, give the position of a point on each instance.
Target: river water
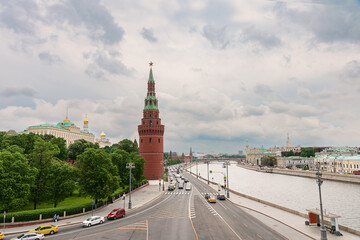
(296, 193)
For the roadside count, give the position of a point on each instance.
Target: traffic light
(210, 171)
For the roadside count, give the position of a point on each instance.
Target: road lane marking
(259, 236)
(197, 238)
(113, 222)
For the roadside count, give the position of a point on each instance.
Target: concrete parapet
(309, 174)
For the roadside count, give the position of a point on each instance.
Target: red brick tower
(151, 133)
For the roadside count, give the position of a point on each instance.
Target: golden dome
(86, 120)
(66, 120)
(102, 134)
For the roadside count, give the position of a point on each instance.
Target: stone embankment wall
(310, 174)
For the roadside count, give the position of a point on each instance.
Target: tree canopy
(98, 177)
(79, 147)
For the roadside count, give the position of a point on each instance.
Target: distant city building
(338, 151)
(65, 129)
(338, 163)
(254, 155)
(183, 157)
(294, 162)
(103, 141)
(11, 132)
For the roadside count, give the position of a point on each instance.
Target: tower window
(149, 139)
(159, 139)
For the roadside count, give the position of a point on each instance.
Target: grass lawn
(70, 201)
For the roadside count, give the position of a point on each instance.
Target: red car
(116, 213)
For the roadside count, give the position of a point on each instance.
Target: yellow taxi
(2, 235)
(212, 199)
(46, 229)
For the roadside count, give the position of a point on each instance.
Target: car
(93, 221)
(188, 187)
(207, 196)
(45, 229)
(116, 213)
(221, 197)
(171, 187)
(29, 236)
(181, 185)
(212, 199)
(2, 235)
(186, 180)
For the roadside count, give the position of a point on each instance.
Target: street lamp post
(130, 166)
(197, 173)
(319, 182)
(162, 163)
(207, 162)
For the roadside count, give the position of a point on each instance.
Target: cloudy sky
(225, 71)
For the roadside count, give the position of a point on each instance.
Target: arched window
(149, 139)
(159, 140)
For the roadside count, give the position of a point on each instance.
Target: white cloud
(225, 72)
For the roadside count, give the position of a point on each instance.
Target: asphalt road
(178, 214)
(223, 219)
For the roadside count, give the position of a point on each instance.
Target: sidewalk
(289, 222)
(139, 197)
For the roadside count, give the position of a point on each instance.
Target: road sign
(92, 203)
(4, 213)
(130, 165)
(224, 178)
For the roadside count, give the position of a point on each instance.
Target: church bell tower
(151, 132)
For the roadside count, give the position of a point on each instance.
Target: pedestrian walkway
(139, 197)
(282, 221)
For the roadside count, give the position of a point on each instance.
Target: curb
(251, 209)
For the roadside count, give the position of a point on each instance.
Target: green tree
(25, 141)
(42, 159)
(62, 178)
(307, 152)
(60, 142)
(290, 153)
(268, 161)
(127, 145)
(15, 178)
(138, 172)
(79, 147)
(97, 175)
(119, 158)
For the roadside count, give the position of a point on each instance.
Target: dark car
(171, 187)
(116, 213)
(186, 180)
(221, 197)
(207, 196)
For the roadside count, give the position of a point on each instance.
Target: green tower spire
(151, 103)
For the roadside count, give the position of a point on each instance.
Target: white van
(188, 187)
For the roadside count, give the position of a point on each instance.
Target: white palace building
(65, 129)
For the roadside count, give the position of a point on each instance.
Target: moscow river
(296, 193)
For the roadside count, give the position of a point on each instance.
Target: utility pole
(207, 162)
(226, 165)
(130, 166)
(197, 173)
(319, 182)
(162, 163)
